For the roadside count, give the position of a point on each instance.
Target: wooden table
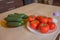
(21, 33)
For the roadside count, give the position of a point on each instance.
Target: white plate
(39, 33)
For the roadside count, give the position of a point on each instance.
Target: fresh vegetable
(16, 19)
(12, 15)
(42, 19)
(43, 24)
(43, 28)
(49, 20)
(3, 23)
(15, 24)
(39, 17)
(22, 22)
(33, 24)
(31, 18)
(18, 15)
(21, 15)
(52, 26)
(25, 17)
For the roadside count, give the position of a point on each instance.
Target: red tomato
(43, 19)
(43, 28)
(49, 20)
(34, 24)
(38, 17)
(52, 26)
(31, 18)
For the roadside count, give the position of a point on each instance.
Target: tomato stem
(44, 24)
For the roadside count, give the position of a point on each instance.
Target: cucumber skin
(23, 16)
(13, 19)
(13, 24)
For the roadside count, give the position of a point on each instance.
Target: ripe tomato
(31, 18)
(52, 26)
(49, 20)
(43, 19)
(43, 28)
(38, 17)
(34, 24)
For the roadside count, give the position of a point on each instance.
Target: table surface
(22, 33)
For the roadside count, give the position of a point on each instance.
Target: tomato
(38, 17)
(43, 28)
(31, 18)
(52, 26)
(43, 19)
(49, 20)
(34, 24)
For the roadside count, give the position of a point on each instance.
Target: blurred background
(6, 5)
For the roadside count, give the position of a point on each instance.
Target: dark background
(56, 2)
(6, 5)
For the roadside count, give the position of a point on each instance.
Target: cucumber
(16, 19)
(12, 15)
(25, 17)
(20, 15)
(13, 24)
(22, 22)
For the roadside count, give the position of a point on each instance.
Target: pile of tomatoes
(41, 23)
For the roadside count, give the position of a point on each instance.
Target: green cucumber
(12, 15)
(25, 17)
(18, 15)
(21, 15)
(22, 22)
(13, 19)
(13, 24)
